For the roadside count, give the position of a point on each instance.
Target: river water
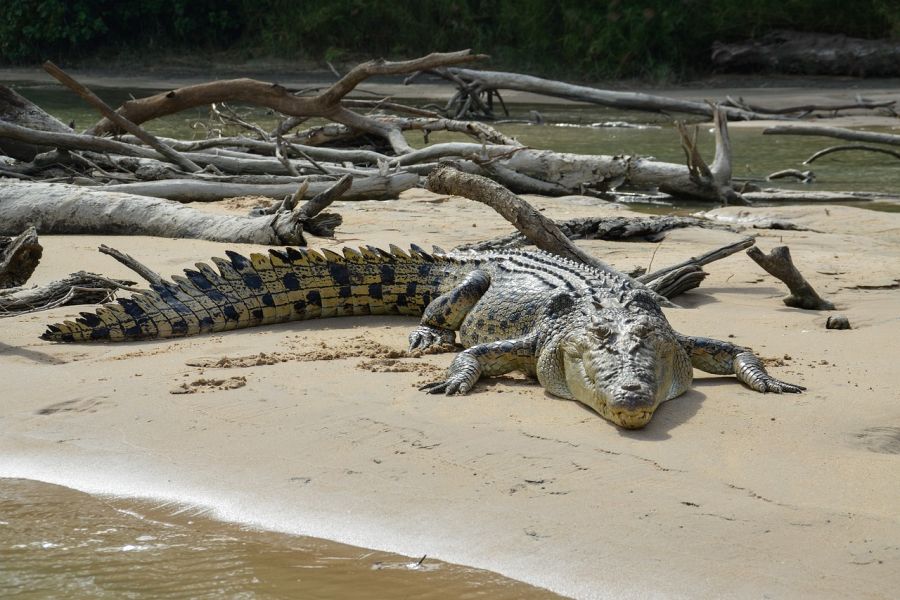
(56, 542)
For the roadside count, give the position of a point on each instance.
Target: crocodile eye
(600, 327)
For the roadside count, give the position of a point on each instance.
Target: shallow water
(56, 542)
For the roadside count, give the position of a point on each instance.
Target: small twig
(228, 114)
(802, 176)
(145, 272)
(309, 158)
(703, 259)
(281, 155)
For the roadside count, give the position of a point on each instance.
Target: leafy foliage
(604, 38)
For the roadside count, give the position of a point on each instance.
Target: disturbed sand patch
(199, 386)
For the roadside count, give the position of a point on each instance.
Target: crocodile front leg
(494, 358)
(724, 358)
(445, 314)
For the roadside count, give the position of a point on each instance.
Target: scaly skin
(592, 335)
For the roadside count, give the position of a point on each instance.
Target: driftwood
(57, 208)
(834, 132)
(699, 261)
(15, 108)
(620, 229)
(855, 147)
(546, 235)
(259, 93)
(119, 120)
(475, 83)
(19, 257)
(146, 273)
(77, 288)
(540, 231)
(778, 263)
(190, 190)
(804, 110)
(811, 54)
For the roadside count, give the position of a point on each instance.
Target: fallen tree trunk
(811, 54)
(604, 228)
(834, 132)
(15, 108)
(193, 190)
(478, 82)
(260, 93)
(60, 209)
(540, 231)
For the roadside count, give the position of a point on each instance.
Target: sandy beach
(318, 428)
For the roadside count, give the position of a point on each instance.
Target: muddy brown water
(56, 542)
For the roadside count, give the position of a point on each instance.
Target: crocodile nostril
(631, 387)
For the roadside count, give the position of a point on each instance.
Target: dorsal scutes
(331, 256)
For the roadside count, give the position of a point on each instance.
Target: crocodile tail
(289, 285)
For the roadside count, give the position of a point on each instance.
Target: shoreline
(336, 441)
(127, 546)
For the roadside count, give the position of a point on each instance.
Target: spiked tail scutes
(283, 285)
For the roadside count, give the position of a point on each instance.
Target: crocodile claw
(449, 387)
(431, 340)
(750, 370)
(464, 372)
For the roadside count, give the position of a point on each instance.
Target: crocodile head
(624, 364)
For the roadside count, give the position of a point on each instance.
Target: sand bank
(309, 428)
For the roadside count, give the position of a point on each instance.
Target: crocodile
(587, 333)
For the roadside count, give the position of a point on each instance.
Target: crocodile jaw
(623, 387)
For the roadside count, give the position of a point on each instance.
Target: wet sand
(314, 428)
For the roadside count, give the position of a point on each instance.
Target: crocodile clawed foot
(449, 387)
(461, 377)
(431, 340)
(777, 386)
(750, 370)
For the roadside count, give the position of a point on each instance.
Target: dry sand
(317, 428)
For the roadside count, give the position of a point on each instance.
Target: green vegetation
(578, 39)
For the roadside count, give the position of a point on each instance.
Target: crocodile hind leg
(444, 315)
(724, 358)
(491, 359)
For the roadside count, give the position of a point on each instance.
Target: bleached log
(260, 93)
(840, 133)
(375, 187)
(483, 81)
(15, 108)
(55, 208)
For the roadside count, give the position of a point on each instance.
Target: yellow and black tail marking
(289, 285)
